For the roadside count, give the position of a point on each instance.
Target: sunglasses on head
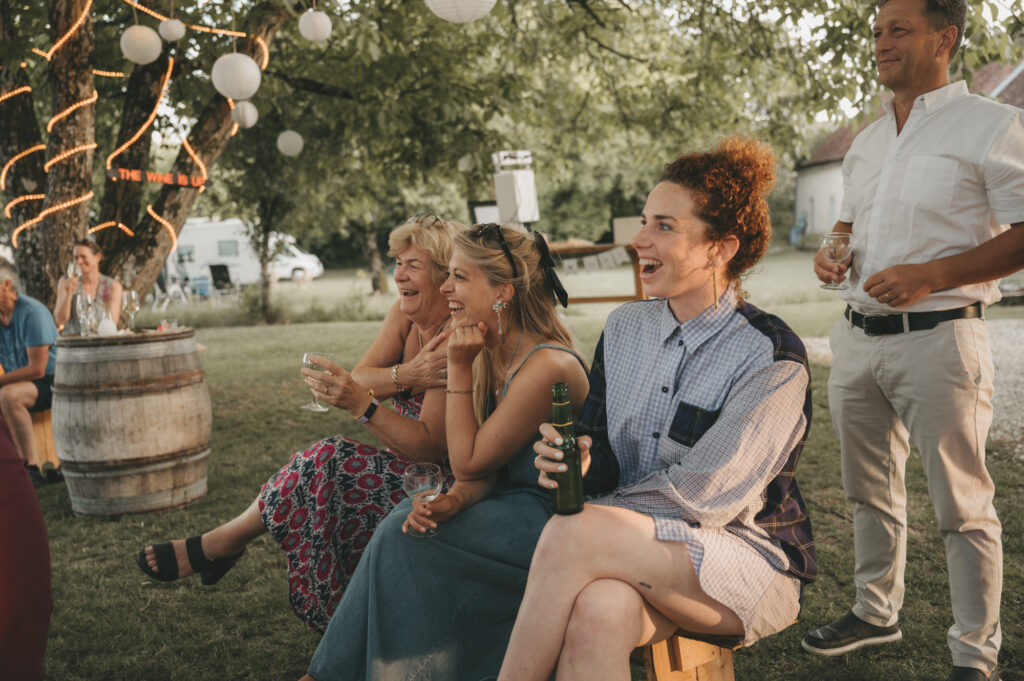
(491, 228)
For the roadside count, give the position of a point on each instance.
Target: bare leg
(608, 620)
(604, 543)
(15, 401)
(220, 542)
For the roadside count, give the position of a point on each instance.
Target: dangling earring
(714, 281)
(499, 307)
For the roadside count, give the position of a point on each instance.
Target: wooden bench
(685, 659)
(42, 436)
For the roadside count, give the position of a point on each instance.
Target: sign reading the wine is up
(174, 179)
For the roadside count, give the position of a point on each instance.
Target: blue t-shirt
(31, 325)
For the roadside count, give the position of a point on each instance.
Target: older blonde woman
(323, 506)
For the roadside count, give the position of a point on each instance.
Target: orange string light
(67, 36)
(14, 202)
(16, 157)
(39, 52)
(16, 91)
(120, 225)
(152, 115)
(204, 29)
(108, 74)
(198, 162)
(68, 111)
(48, 211)
(266, 52)
(65, 154)
(234, 126)
(166, 225)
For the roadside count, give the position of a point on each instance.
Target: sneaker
(848, 633)
(972, 674)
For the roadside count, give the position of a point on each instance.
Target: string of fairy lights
(57, 118)
(235, 76)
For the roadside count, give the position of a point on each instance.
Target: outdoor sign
(137, 175)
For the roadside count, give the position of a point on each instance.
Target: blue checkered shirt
(701, 424)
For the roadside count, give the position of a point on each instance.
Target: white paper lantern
(245, 114)
(315, 25)
(236, 76)
(171, 30)
(141, 44)
(460, 11)
(289, 143)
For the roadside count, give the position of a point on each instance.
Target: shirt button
(657, 435)
(664, 388)
(680, 343)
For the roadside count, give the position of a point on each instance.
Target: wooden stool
(684, 659)
(42, 436)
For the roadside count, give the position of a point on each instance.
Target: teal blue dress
(440, 608)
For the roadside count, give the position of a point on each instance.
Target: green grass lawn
(111, 622)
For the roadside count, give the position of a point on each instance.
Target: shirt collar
(695, 331)
(936, 99)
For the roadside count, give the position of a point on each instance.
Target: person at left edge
(28, 356)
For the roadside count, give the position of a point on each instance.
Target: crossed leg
(600, 584)
(15, 401)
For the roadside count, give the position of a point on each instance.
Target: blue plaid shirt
(701, 424)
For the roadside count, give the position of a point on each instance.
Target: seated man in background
(28, 356)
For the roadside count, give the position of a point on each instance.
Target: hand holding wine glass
(309, 361)
(423, 483)
(835, 247)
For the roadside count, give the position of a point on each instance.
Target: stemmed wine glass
(74, 270)
(130, 304)
(309, 361)
(836, 248)
(423, 483)
(84, 312)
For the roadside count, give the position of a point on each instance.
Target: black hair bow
(549, 269)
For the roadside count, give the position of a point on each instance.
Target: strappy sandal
(209, 571)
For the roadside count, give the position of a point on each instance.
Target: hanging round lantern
(245, 114)
(289, 143)
(315, 26)
(171, 30)
(236, 76)
(460, 11)
(141, 44)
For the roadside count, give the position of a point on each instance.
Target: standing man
(929, 191)
(28, 356)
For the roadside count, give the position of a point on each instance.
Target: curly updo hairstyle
(730, 185)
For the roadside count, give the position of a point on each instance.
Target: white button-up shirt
(951, 180)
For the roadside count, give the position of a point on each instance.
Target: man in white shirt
(934, 203)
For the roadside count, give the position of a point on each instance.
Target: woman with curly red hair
(698, 408)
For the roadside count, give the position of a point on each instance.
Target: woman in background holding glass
(82, 282)
(323, 506)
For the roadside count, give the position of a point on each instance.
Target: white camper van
(206, 242)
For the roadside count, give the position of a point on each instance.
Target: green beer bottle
(567, 498)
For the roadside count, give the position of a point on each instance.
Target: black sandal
(209, 571)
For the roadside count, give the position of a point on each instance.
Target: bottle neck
(561, 417)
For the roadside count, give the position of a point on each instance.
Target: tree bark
(371, 252)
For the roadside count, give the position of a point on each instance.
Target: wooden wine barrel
(131, 421)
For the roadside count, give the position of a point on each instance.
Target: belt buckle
(882, 325)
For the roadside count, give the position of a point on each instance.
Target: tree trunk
(371, 253)
(260, 236)
(138, 265)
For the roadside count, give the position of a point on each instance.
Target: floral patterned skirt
(322, 509)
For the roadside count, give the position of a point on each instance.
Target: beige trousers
(936, 386)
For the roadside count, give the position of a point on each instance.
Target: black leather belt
(886, 324)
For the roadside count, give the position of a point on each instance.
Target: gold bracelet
(458, 392)
(394, 378)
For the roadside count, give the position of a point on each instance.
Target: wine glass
(130, 304)
(423, 483)
(83, 310)
(836, 248)
(74, 270)
(309, 361)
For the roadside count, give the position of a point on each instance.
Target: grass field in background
(111, 622)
